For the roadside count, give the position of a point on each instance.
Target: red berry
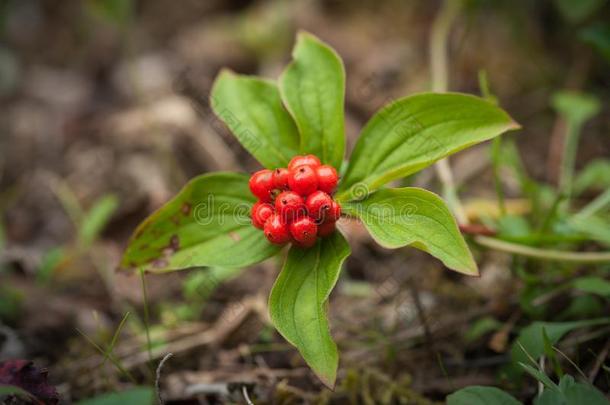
(304, 231)
(260, 213)
(327, 178)
(302, 180)
(276, 230)
(299, 160)
(335, 212)
(318, 205)
(261, 184)
(289, 205)
(280, 178)
(326, 228)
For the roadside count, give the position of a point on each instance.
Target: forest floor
(106, 117)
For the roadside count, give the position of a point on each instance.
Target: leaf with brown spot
(186, 208)
(217, 231)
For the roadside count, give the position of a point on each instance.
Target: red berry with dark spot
(280, 178)
(335, 212)
(303, 180)
(260, 213)
(299, 160)
(289, 205)
(327, 178)
(304, 231)
(261, 184)
(326, 228)
(276, 230)
(318, 205)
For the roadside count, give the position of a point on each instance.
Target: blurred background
(104, 115)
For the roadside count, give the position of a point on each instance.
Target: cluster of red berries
(295, 203)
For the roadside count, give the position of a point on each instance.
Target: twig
(599, 361)
(565, 356)
(244, 391)
(230, 319)
(541, 368)
(158, 377)
(476, 229)
(544, 254)
(220, 389)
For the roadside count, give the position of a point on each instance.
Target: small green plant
(567, 392)
(208, 224)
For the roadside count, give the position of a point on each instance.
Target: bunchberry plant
(295, 128)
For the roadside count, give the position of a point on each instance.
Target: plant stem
(550, 215)
(496, 146)
(544, 254)
(115, 337)
(146, 319)
(439, 78)
(568, 160)
(597, 204)
(438, 44)
(109, 356)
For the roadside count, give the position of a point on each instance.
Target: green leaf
(206, 224)
(581, 393)
(411, 133)
(576, 107)
(551, 354)
(593, 285)
(11, 302)
(138, 395)
(540, 376)
(531, 337)
(296, 303)
(481, 327)
(571, 392)
(413, 216)
(313, 89)
(576, 11)
(582, 307)
(253, 111)
(96, 219)
(6, 390)
(595, 175)
(598, 35)
(513, 226)
(49, 263)
(114, 11)
(595, 227)
(480, 395)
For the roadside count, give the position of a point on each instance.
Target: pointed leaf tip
(413, 216)
(412, 133)
(297, 303)
(313, 89)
